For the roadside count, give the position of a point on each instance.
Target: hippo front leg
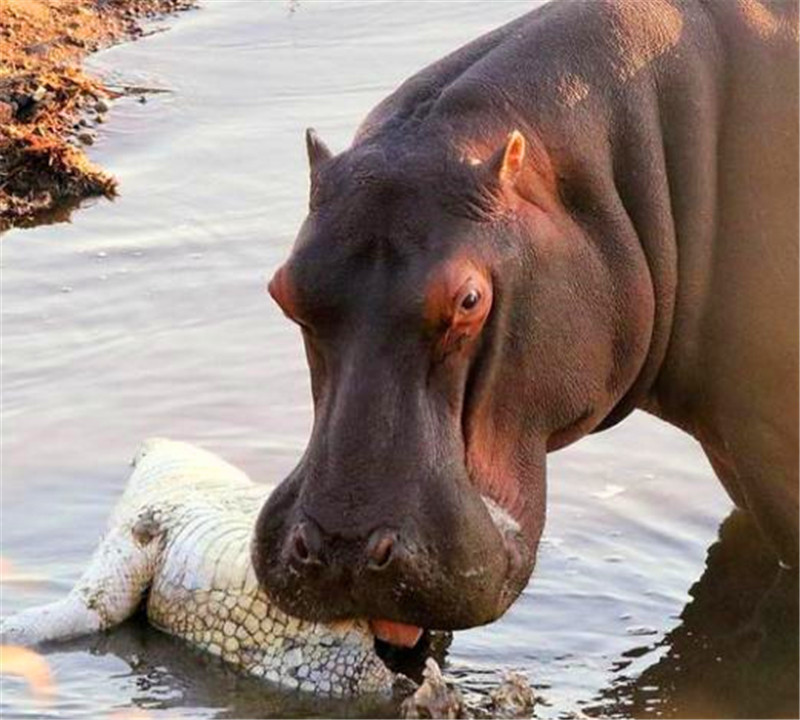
(751, 460)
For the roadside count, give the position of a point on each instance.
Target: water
(147, 316)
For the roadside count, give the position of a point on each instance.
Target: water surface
(147, 316)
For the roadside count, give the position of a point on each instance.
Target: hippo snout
(400, 569)
(352, 576)
(306, 545)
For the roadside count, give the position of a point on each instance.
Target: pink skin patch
(457, 303)
(282, 292)
(396, 633)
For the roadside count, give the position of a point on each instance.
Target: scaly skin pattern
(179, 540)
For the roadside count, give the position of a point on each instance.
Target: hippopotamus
(590, 210)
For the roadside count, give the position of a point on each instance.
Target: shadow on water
(735, 652)
(59, 213)
(171, 675)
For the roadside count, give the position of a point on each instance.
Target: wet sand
(49, 105)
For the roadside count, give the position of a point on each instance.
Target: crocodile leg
(108, 592)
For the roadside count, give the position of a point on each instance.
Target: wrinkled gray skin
(589, 210)
(179, 541)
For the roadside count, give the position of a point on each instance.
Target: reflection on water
(165, 675)
(147, 316)
(735, 651)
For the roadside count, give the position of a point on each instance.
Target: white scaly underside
(180, 536)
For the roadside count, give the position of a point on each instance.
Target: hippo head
(458, 324)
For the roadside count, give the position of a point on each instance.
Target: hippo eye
(470, 300)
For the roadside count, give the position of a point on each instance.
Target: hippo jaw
(476, 588)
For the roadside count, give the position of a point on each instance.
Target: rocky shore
(49, 105)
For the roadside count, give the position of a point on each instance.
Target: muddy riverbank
(49, 106)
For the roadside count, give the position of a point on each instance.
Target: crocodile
(178, 542)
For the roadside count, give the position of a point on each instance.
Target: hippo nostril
(300, 548)
(303, 544)
(380, 549)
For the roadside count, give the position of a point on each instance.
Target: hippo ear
(318, 153)
(507, 161)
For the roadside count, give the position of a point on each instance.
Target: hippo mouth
(396, 633)
(520, 557)
(400, 643)
(410, 661)
(406, 638)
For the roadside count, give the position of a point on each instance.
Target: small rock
(101, 106)
(86, 138)
(37, 49)
(641, 630)
(26, 107)
(434, 698)
(514, 697)
(403, 686)
(6, 112)
(100, 119)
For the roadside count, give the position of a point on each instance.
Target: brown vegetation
(47, 102)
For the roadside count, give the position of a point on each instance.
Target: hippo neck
(667, 177)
